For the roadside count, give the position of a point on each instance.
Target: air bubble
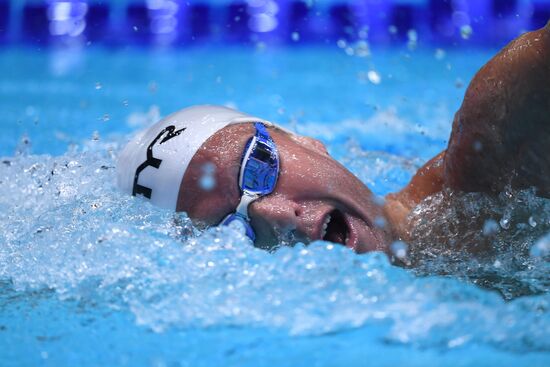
(541, 248)
(490, 227)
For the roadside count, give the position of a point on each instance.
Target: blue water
(89, 276)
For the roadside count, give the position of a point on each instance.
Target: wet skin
(500, 138)
(501, 133)
(312, 189)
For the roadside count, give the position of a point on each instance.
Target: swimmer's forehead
(240, 132)
(229, 142)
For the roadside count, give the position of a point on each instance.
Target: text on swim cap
(151, 161)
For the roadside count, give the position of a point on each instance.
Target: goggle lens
(258, 176)
(261, 169)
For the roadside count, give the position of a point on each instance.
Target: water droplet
(125, 103)
(466, 31)
(439, 54)
(412, 36)
(24, 146)
(341, 43)
(207, 182)
(374, 77)
(98, 85)
(106, 117)
(362, 49)
(532, 222)
(399, 249)
(363, 33)
(380, 222)
(477, 146)
(505, 222)
(295, 36)
(379, 200)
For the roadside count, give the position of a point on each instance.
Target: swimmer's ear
(315, 144)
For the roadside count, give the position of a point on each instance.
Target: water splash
(466, 234)
(64, 226)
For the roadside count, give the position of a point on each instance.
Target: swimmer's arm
(501, 133)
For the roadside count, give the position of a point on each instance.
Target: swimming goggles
(257, 177)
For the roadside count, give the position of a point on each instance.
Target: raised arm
(500, 135)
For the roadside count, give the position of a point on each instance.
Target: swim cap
(153, 163)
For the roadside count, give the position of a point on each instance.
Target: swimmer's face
(312, 190)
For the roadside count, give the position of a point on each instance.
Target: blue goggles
(257, 177)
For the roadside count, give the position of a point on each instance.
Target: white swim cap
(153, 163)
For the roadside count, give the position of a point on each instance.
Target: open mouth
(335, 228)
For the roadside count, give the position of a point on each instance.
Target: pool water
(89, 276)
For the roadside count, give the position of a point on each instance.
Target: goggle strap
(246, 199)
(261, 131)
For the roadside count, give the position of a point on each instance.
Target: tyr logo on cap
(170, 132)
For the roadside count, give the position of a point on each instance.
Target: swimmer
(222, 166)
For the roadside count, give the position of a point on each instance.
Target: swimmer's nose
(275, 216)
